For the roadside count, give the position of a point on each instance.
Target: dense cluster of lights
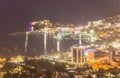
(101, 32)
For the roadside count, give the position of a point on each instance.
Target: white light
(56, 57)
(91, 31)
(116, 45)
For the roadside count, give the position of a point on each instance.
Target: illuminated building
(111, 55)
(90, 56)
(117, 56)
(78, 54)
(90, 23)
(96, 23)
(18, 59)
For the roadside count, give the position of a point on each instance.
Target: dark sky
(16, 14)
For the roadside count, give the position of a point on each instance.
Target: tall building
(78, 54)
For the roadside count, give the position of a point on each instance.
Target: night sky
(16, 14)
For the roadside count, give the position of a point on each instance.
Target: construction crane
(58, 33)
